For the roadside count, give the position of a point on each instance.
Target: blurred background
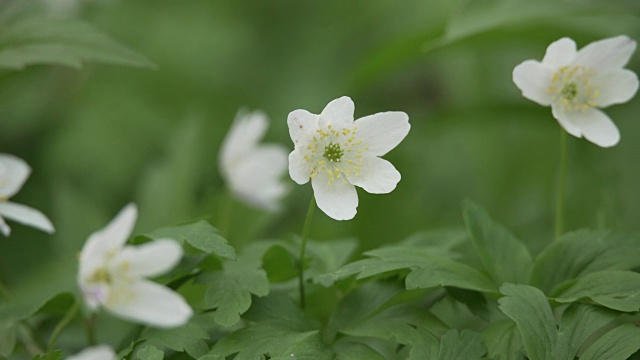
(105, 135)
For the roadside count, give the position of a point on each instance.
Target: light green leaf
(328, 256)
(504, 257)
(149, 352)
(503, 340)
(440, 271)
(201, 235)
(615, 289)
(184, 338)
(37, 39)
(530, 310)
(617, 344)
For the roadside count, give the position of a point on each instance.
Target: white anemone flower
(98, 352)
(253, 171)
(112, 275)
(576, 83)
(13, 174)
(336, 153)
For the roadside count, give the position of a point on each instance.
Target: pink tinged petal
(378, 176)
(98, 352)
(338, 113)
(26, 215)
(13, 173)
(299, 168)
(533, 79)
(302, 127)
(244, 135)
(149, 259)
(616, 87)
(338, 200)
(560, 53)
(607, 54)
(382, 132)
(94, 293)
(566, 120)
(150, 303)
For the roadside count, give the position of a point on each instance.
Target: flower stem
(562, 182)
(224, 215)
(303, 248)
(66, 319)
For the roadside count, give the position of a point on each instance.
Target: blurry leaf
(54, 355)
(8, 329)
(328, 256)
(37, 39)
(503, 340)
(530, 310)
(183, 338)
(149, 352)
(201, 235)
(617, 344)
(504, 257)
(445, 239)
(475, 301)
(615, 289)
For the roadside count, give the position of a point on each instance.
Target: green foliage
(190, 338)
(201, 235)
(149, 352)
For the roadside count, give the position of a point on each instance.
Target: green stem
(90, 325)
(224, 215)
(562, 183)
(303, 249)
(66, 319)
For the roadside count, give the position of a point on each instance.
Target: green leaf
(503, 340)
(328, 256)
(8, 328)
(530, 310)
(54, 355)
(37, 39)
(577, 324)
(615, 289)
(504, 257)
(349, 349)
(617, 344)
(201, 235)
(149, 352)
(466, 345)
(187, 338)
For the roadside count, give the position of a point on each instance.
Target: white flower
(576, 83)
(13, 174)
(113, 275)
(337, 153)
(253, 171)
(98, 352)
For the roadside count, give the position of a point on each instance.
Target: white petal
(338, 200)
(26, 215)
(560, 53)
(98, 352)
(378, 176)
(244, 135)
(382, 132)
(4, 228)
(595, 126)
(302, 127)
(13, 173)
(607, 54)
(150, 303)
(338, 113)
(117, 232)
(533, 79)
(616, 87)
(299, 168)
(565, 120)
(149, 259)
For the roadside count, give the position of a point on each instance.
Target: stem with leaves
(303, 249)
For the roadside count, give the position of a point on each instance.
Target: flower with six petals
(336, 153)
(575, 83)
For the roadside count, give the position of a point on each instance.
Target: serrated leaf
(503, 340)
(615, 289)
(201, 235)
(183, 338)
(617, 344)
(37, 39)
(530, 310)
(149, 352)
(504, 257)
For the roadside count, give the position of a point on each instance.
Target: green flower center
(573, 88)
(569, 91)
(333, 152)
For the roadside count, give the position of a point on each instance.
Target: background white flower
(336, 153)
(576, 83)
(98, 352)
(253, 171)
(13, 174)
(113, 275)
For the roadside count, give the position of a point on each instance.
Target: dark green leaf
(577, 324)
(615, 289)
(183, 338)
(466, 345)
(503, 340)
(201, 235)
(349, 349)
(617, 344)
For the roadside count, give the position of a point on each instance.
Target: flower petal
(595, 126)
(378, 176)
(150, 303)
(338, 200)
(560, 53)
(616, 87)
(4, 228)
(302, 126)
(27, 216)
(338, 113)
(299, 168)
(149, 259)
(607, 54)
(244, 135)
(565, 120)
(383, 131)
(533, 79)
(13, 173)
(98, 352)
